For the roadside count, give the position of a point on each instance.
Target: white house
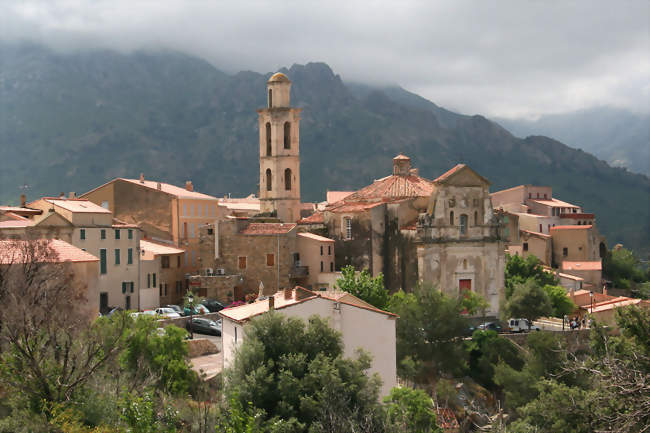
(360, 324)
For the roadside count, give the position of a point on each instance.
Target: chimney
(401, 165)
(288, 293)
(159, 186)
(62, 195)
(271, 302)
(72, 194)
(189, 186)
(141, 177)
(23, 200)
(414, 172)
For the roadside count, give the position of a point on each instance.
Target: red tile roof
(16, 223)
(76, 205)
(268, 229)
(572, 227)
(393, 187)
(582, 266)
(553, 202)
(12, 251)
(446, 419)
(315, 237)
(449, 172)
(352, 207)
(539, 235)
(315, 218)
(334, 196)
(159, 249)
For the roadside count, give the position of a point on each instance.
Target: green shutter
(130, 234)
(129, 256)
(82, 234)
(154, 280)
(117, 234)
(123, 287)
(103, 234)
(102, 261)
(117, 256)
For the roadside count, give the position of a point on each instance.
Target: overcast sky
(497, 58)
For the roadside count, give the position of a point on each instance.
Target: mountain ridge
(78, 120)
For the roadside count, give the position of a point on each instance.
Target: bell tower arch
(279, 127)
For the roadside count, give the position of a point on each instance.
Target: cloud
(507, 58)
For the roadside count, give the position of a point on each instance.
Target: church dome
(279, 77)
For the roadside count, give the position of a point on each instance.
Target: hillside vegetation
(69, 122)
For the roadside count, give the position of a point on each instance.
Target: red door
(465, 285)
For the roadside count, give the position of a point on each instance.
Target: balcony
(298, 271)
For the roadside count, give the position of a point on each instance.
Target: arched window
(268, 139)
(287, 135)
(287, 179)
(463, 224)
(269, 180)
(475, 218)
(451, 218)
(270, 98)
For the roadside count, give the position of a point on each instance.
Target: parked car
(213, 305)
(135, 314)
(176, 308)
(167, 313)
(198, 310)
(490, 326)
(204, 326)
(521, 325)
(149, 313)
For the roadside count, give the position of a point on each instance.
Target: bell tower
(279, 126)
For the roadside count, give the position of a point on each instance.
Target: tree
(625, 269)
(295, 374)
(486, 349)
(430, 330)
(364, 287)
(49, 346)
(410, 411)
(561, 303)
(518, 270)
(528, 300)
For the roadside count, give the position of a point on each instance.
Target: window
(463, 224)
(242, 262)
(329, 250)
(321, 266)
(235, 326)
(287, 179)
(475, 202)
(117, 256)
(199, 210)
(545, 195)
(530, 195)
(270, 106)
(129, 256)
(270, 260)
(132, 285)
(348, 228)
(178, 261)
(164, 262)
(331, 266)
(102, 261)
(268, 139)
(565, 251)
(105, 204)
(185, 210)
(130, 234)
(117, 233)
(451, 218)
(269, 180)
(525, 246)
(321, 250)
(165, 289)
(287, 135)
(191, 230)
(103, 302)
(540, 229)
(153, 280)
(160, 290)
(127, 302)
(476, 218)
(178, 287)
(537, 195)
(206, 210)
(210, 231)
(148, 281)
(102, 234)
(185, 230)
(82, 234)
(124, 285)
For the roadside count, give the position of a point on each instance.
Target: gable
(462, 175)
(53, 219)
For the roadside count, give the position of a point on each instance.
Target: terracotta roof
(572, 227)
(315, 237)
(402, 157)
(446, 419)
(334, 196)
(159, 249)
(268, 228)
(622, 302)
(15, 223)
(569, 277)
(11, 251)
(582, 266)
(171, 189)
(449, 172)
(539, 235)
(340, 295)
(19, 210)
(553, 202)
(345, 207)
(393, 187)
(76, 205)
(248, 311)
(315, 218)
(121, 224)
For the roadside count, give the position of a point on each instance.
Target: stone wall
(200, 347)
(219, 287)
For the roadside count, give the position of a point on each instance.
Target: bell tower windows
(268, 138)
(287, 179)
(270, 98)
(287, 135)
(269, 180)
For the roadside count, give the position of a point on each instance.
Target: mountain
(618, 136)
(70, 122)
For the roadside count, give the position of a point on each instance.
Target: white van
(521, 325)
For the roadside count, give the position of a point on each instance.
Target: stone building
(165, 213)
(457, 239)
(161, 274)
(279, 127)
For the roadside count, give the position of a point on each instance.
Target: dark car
(213, 305)
(490, 326)
(204, 326)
